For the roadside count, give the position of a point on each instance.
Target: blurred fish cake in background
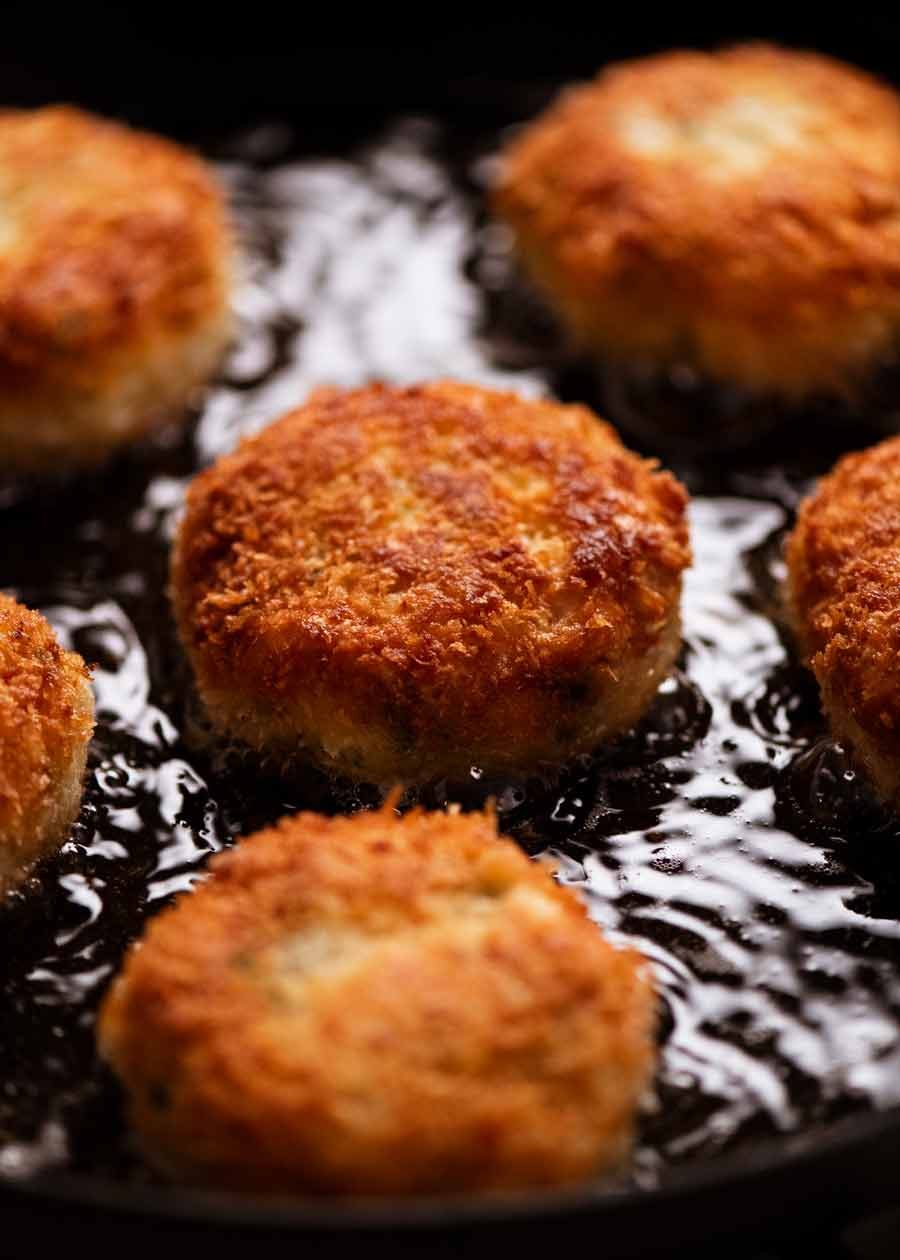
(115, 268)
(725, 221)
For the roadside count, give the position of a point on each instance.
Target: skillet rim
(707, 1176)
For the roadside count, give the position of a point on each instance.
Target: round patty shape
(46, 721)
(737, 212)
(844, 598)
(408, 582)
(374, 1005)
(115, 257)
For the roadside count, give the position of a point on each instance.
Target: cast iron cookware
(727, 835)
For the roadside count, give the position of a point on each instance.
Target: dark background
(199, 69)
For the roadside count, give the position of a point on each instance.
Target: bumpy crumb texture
(844, 590)
(374, 1005)
(46, 720)
(736, 211)
(115, 255)
(412, 581)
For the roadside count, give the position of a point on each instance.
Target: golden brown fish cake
(736, 213)
(115, 260)
(844, 601)
(46, 721)
(402, 583)
(374, 1005)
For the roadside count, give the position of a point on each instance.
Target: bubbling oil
(727, 837)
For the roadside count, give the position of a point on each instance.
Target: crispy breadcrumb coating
(406, 582)
(374, 1005)
(737, 212)
(115, 260)
(46, 721)
(844, 596)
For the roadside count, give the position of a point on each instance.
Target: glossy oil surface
(727, 836)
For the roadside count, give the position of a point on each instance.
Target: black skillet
(73, 547)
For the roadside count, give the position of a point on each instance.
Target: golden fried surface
(115, 256)
(737, 211)
(378, 1005)
(407, 582)
(844, 593)
(46, 720)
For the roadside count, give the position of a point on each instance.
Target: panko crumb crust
(844, 600)
(402, 583)
(46, 722)
(374, 1005)
(737, 212)
(115, 262)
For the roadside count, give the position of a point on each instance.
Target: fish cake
(404, 583)
(115, 269)
(843, 589)
(380, 1005)
(724, 219)
(46, 722)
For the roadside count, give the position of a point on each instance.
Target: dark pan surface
(727, 836)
